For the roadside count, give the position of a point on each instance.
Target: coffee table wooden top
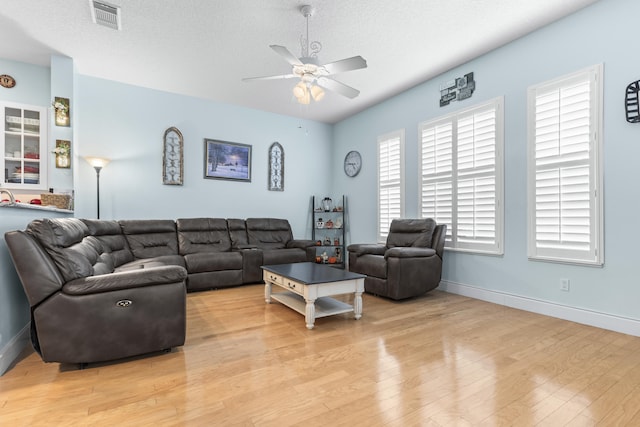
(311, 273)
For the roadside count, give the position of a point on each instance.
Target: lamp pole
(98, 168)
(98, 163)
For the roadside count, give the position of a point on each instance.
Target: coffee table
(309, 286)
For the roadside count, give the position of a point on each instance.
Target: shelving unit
(328, 230)
(23, 155)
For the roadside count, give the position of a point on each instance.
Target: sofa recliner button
(124, 303)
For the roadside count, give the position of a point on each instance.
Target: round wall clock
(352, 163)
(7, 81)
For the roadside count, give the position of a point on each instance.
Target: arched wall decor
(631, 102)
(276, 167)
(172, 157)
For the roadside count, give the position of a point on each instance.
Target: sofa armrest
(409, 252)
(300, 243)
(367, 249)
(125, 280)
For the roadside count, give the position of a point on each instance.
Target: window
(565, 179)
(461, 176)
(390, 181)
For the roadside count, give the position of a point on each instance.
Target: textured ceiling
(204, 48)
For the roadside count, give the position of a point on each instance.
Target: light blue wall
(32, 88)
(127, 123)
(32, 83)
(602, 33)
(62, 85)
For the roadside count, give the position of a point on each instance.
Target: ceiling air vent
(105, 14)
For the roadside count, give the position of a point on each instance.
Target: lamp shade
(299, 90)
(306, 99)
(97, 162)
(317, 93)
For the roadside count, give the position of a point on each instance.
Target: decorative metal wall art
(172, 157)
(457, 89)
(631, 102)
(276, 167)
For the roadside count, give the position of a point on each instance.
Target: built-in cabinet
(23, 146)
(329, 230)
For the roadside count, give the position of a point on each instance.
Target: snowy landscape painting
(227, 160)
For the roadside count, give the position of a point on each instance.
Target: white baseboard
(14, 347)
(587, 317)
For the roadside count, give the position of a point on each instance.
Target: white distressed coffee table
(309, 287)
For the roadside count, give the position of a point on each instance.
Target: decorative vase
(62, 161)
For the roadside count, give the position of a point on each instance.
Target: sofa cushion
(152, 262)
(150, 238)
(238, 233)
(268, 233)
(411, 232)
(109, 233)
(197, 235)
(371, 265)
(283, 256)
(205, 262)
(73, 250)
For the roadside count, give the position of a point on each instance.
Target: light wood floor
(438, 360)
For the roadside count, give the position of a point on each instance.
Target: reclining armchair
(408, 265)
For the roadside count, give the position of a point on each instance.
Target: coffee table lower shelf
(325, 306)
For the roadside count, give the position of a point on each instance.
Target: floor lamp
(98, 163)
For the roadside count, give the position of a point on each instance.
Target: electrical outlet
(564, 285)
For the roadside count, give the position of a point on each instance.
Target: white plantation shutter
(461, 176)
(436, 198)
(477, 178)
(390, 181)
(564, 181)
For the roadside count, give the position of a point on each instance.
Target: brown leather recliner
(408, 265)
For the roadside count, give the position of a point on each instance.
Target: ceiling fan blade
(348, 64)
(336, 86)
(280, 77)
(284, 52)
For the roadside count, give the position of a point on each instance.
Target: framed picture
(172, 158)
(227, 160)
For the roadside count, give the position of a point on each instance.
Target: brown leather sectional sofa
(103, 290)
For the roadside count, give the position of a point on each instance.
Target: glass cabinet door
(23, 147)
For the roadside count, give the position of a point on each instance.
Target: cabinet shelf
(23, 143)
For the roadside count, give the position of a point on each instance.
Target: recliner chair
(408, 265)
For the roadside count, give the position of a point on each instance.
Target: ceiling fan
(314, 77)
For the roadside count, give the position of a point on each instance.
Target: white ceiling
(203, 48)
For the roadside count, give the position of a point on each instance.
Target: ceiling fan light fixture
(299, 90)
(310, 71)
(317, 93)
(305, 99)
